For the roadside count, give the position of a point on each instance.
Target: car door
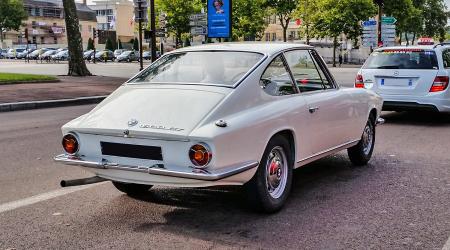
(329, 109)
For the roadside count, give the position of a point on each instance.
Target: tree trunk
(1, 36)
(414, 38)
(406, 38)
(77, 65)
(307, 34)
(334, 50)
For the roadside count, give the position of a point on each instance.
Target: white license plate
(396, 82)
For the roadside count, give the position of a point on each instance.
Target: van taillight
(440, 84)
(359, 81)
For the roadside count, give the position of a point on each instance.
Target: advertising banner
(219, 18)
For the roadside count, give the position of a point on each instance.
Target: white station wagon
(226, 114)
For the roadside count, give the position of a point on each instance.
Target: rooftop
(261, 47)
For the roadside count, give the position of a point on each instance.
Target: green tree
(109, 45)
(11, 15)
(178, 12)
(336, 17)
(402, 10)
(248, 19)
(136, 44)
(90, 45)
(304, 11)
(77, 65)
(284, 10)
(435, 19)
(120, 44)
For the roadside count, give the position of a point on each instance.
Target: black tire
(257, 189)
(131, 188)
(361, 153)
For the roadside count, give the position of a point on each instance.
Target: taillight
(70, 144)
(200, 155)
(359, 81)
(440, 83)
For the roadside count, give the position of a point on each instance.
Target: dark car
(87, 55)
(128, 56)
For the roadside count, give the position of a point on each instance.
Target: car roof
(425, 47)
(259, 47)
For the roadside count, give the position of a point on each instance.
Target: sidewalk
(66, 92)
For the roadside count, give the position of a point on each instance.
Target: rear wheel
(131, 188)
(361, 153)
(269, 188)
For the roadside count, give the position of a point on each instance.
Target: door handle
(313, 109)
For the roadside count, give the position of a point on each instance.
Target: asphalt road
(344, 76)
(400, 200)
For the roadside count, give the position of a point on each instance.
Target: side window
(326, 82)
(304, 70)
(276, 80)
(446, 58)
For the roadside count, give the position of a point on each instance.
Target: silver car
(409, 78)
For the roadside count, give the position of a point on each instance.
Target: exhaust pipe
(84, 181)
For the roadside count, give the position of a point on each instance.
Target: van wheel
(131, 188)
(269, 188)
(361, 153)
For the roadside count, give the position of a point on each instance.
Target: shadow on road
(417, 118)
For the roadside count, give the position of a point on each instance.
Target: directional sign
(198, 23)
(199, 30)
(199, 16)
(388, 20)
(369, 23)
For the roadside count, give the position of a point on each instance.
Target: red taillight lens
(200, 155)
(440, 84)
(359, 81)
(70, 144)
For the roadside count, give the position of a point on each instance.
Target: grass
(8, 78)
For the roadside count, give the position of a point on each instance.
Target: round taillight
(200, 155)
(70, 144)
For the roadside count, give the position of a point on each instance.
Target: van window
(402, 59)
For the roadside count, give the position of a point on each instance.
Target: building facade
(46, 25)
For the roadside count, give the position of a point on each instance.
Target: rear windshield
(402, 59)
(200, 67)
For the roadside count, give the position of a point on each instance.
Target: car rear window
(402, 59)
(200, 67)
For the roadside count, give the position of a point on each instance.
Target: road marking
(447, 245)
(42, 197)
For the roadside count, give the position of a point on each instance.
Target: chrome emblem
(132, 122)
(396, 73)
(126, 133)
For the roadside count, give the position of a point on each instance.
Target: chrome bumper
(160, 169)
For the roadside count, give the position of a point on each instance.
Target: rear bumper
(160, 169)
(408, 106)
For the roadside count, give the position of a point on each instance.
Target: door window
(446, 58)
(276, 80)
(304, 70)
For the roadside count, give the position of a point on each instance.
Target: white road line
(41, 197)
(447, 245)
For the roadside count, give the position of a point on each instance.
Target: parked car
(3, 53)
(35, 54)
(117, 52)
(241, 114)
(104, 55)
(409, 78)
(87, 55)
(147, 55)
(48, 54)
(24, 54)
(63, 55)
(128, 56)
(12, 53)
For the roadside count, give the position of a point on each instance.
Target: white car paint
(188, 115)
(416, 93)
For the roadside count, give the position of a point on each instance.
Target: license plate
(396, 82)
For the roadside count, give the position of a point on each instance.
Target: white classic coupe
(223, 114)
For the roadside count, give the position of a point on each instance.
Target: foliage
(109, 44)
(90, 44)
(284, 10)
(304, 11)
(136, 44)
(16, 78)
(248, 19)
(11, 15)
(178, 12)
(435, 19)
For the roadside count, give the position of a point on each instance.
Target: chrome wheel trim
(276, 172)
(367, 139)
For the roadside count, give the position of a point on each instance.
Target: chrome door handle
(313, 109)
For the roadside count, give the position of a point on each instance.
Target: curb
(15, 106)
(29, 82)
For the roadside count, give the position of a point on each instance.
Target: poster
(219, 18)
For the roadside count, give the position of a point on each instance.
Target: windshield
(200, 67)
(126, 53)
(402, 59)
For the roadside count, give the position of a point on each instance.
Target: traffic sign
(369, 23)
(196, 17)
(198, 23)
(388, 20)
